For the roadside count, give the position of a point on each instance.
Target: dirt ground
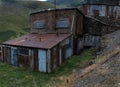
(108, 73)
(109, 41)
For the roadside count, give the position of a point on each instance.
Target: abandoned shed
(102, 10)
(100, 19)
(55, 36)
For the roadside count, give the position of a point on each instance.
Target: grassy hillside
(68, 3)
(14, 17)
(77, 3)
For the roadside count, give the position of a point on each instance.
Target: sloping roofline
(58, 9)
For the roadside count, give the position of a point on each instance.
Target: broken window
(117, 10)
(62, 23)
(68, 43)
(24, 51)
(95, 7)
(39, 24)
(102, 10)
(94, 10)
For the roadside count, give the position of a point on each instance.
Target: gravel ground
(108, 74)
(110, 41)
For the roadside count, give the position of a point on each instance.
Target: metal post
(55, 14)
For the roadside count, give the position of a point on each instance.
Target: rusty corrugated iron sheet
(46, 41)
(101, 10)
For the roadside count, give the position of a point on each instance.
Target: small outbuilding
(56, 34)
(102, 10)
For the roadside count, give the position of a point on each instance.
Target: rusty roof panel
(38, 41)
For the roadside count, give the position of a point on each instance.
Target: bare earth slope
(107, 73)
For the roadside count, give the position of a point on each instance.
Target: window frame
(20, 53)
(39, 24)
(62, 20)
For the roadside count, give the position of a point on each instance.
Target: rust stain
(18, 42)
(38, 41)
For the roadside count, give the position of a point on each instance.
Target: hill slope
(75, 3)
(14, 17)
(68, 3)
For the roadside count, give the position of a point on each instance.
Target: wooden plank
(35, 59)
(23, 61)
(58, 55)
(31, 59)
(2, 52)
(52, 59)
(48, 61)
(7, 54)
(63, 53)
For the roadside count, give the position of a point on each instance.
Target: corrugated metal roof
(38, 41)
(58, 9)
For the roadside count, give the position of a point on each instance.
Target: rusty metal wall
(66, 49)
(49, 22)
(55, 57)
(80, 44)
(48, 61)
(7, 54)
(28, 61)
(69, 47)
(59, 53)
(35, 57)
(79, 24)
(48, 17)
(103, 10)
(91, 41)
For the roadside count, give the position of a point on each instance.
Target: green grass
(7, 35)
(11, 76)
(76, 61)
(15, 18)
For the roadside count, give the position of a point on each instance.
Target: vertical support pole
(55, 14)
